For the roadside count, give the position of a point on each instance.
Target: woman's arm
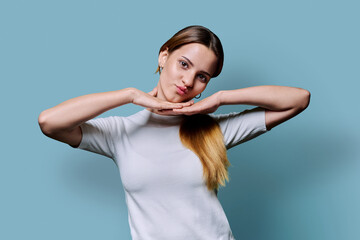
(63, 121)
(281, 102)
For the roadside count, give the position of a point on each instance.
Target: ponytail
(202, 135)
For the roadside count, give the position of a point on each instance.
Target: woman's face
(186, 72)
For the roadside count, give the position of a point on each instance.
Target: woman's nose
(188, 80)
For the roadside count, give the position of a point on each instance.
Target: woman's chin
(182, 100)
(187, 99)
(176, 98)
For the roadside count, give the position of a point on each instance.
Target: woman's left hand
(207, 105)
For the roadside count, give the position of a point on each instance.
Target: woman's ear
(163, 56)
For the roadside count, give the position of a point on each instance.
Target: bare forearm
(73, 112)
(276, 98)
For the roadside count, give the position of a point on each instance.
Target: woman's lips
(181, 90)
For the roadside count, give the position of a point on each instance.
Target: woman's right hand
(150, 100)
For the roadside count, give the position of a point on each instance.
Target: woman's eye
(202, 77)
(183, 64)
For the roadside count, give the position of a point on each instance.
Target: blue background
(299, 181)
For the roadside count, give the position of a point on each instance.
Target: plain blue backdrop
(299, 181)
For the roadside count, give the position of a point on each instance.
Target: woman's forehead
(194, 49)
(199, 54)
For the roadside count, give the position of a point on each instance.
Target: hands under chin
(205, 106)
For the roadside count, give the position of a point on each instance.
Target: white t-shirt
(166, 195)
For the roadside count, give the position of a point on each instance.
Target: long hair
(201, 133)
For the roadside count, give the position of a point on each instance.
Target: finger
(194, 109)
(189, 103)
(178, 105)
(168, 106)
(184, 110)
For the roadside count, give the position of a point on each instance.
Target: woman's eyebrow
(193, 65)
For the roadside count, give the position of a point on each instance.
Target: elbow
(44, 124)
(304, 99)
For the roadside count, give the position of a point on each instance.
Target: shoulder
(238, 127)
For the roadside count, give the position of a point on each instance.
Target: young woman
(172, 154)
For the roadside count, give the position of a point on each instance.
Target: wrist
(220, 97)
(131, 94)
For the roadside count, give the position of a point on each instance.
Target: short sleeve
(99, 135)
(242, 126)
